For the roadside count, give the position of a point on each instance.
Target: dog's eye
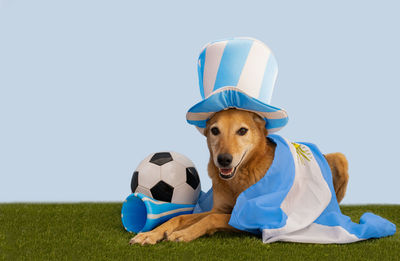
(214, 130)
(242, 131)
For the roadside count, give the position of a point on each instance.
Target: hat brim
(232, 97)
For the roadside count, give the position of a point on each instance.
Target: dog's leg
(162, 231)
(207, 225)
(340, 176)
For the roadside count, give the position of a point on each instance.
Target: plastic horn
(141, 213)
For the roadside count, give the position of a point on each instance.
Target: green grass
(93, 231)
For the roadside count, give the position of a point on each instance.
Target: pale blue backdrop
(89, 88)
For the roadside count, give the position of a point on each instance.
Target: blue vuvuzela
(141, 213)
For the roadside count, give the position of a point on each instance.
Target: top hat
(237, 73)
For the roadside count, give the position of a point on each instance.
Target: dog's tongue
(226, 171)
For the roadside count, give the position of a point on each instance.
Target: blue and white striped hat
(237, 73)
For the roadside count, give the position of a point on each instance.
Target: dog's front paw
(147, 238)
(181, 236)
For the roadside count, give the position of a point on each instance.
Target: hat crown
(245, 63)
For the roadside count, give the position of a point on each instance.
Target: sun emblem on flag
(302, 152)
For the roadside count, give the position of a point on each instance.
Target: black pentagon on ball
(162, 191)
(192, 177)
(161, 158)
(134, 181)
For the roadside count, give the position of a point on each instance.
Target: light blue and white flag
(296, 201)
(237, 73)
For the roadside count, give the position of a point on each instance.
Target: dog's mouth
(228, 173)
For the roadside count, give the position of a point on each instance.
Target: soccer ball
(167, 176)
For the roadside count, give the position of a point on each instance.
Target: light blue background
(89, 88)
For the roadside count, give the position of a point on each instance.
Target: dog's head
(232, 137)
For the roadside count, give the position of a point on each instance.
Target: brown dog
(240, 155)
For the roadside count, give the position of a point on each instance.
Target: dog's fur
(251, 156)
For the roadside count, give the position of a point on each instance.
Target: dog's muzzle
(228, 173)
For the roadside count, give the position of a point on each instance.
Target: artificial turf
(93, 231)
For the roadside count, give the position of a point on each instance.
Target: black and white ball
(167, 176)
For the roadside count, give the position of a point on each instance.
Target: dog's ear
(260, 122)
(206, 130)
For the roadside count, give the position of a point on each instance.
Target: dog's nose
(224, 159)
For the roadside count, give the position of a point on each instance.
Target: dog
(240, 155)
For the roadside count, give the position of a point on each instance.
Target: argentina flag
(237, 73)
(295, 201)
